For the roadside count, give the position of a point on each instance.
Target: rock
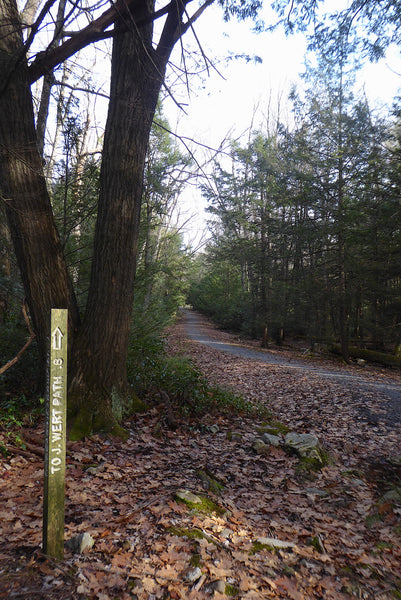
(304, 444)
(260, 447)
(272, 440)
(317, 542)
(193, 575)
(210, 482)
(218, 586)
(80, 543)
(393, 495)
(261, 429)
(317, 492)
(274, 543)
(225, 533)
(95, 469)
(188, 496)
(270, 572)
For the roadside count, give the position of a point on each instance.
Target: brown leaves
(345, 539)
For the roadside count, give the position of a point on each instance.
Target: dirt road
(199, 329)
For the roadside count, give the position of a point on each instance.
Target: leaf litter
(338, 529)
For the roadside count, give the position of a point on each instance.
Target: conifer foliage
(306, 226)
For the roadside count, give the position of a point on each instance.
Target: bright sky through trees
(247, 94)
(236, 94)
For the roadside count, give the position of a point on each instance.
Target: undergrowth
(16, 413)
(19, 403)
(151, 369)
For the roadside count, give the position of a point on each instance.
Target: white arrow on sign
(57, 337)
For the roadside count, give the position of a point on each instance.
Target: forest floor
(275, 530)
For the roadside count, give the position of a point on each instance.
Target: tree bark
(23, 190)
(99, 391)
(5, 267)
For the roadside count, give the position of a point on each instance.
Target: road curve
(387, 387)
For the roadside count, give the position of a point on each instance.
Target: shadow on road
(195, 330)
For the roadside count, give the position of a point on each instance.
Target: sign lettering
(55, 443)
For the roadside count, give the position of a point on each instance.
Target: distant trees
(308, 220)
(163, 261)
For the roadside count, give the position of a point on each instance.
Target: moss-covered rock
(197, 503)
(231, 590)
(260, 447)
(305, 445)
(188, 497)
(191, 534)
(234, 436)
(273, 427)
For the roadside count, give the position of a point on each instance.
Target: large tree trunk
(99, 391)
(24, 193)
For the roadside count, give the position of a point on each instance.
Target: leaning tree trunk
(24, 193)
(99, 391)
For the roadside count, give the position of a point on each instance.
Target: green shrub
(146, 357)
(191, 393)
(184, 384)
(151, 369)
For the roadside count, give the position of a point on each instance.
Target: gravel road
(387, 388)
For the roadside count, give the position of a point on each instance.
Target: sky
(237, 95)
(226, 101)
(245, 93)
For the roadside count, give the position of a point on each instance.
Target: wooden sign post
(55, 441)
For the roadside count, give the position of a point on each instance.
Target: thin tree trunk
(5, 266)
(48, 81)
(343, 303)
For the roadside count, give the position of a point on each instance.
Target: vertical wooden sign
(55, 441)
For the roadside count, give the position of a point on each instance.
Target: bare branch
(94, 32)
(86, 90)
(35, 26)
(28, 343)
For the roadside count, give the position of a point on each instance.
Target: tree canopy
(306, 223)
(377, 23)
